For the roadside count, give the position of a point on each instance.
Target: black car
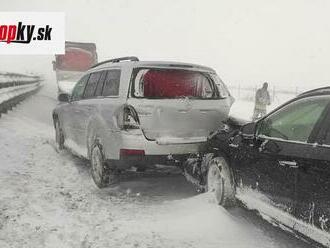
(279, 165)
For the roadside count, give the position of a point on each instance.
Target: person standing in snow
(261, 102)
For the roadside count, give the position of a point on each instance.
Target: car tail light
(128, 118)
(131, 152)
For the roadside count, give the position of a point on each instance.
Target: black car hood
(235, 123)
(230, 127)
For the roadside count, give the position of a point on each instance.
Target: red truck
(69, 67)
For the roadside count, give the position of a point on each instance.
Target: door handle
(291, 164)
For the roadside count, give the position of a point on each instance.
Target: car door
(85, 109)
(70, 111)
(111, 102)
(284, 140)
(105, 100)
(102, 106)
(314, 184)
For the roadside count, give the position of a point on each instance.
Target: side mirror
(248, 130)
(63, 97)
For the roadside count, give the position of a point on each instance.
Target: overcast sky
(284, 42)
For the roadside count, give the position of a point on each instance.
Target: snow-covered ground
(47, 199)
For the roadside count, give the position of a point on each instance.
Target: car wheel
(59, 136)
(100, 169)
(220, 182)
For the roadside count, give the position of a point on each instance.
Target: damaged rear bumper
(133, 148)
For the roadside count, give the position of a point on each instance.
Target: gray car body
(86, 120)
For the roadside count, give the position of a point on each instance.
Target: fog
(247, 42)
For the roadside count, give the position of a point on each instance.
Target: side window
(99, 87)
(79, 88)
(204, 88)
(294, 121)
(91, 85)
(111, 85)
(222, 88)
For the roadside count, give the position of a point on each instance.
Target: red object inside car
(173, 83)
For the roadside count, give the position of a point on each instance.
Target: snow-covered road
(47, 199)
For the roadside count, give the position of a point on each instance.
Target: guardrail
(16, 87)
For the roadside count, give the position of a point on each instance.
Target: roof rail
(116, 60)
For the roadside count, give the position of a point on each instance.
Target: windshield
(172, 83)
(296, 120)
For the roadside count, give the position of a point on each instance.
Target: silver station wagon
(125, 112)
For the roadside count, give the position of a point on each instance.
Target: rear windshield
(173, 83)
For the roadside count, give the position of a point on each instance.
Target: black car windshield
(296, 120)
(172, 83)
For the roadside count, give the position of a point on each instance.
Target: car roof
(315, 92)
(121, 64)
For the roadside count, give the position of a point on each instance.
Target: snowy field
(48, 199)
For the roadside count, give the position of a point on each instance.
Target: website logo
(32, 33)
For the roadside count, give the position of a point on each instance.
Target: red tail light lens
(128, 118)
(131, 152)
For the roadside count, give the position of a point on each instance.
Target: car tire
(59, 136)
(101, 171)
(220, 182)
